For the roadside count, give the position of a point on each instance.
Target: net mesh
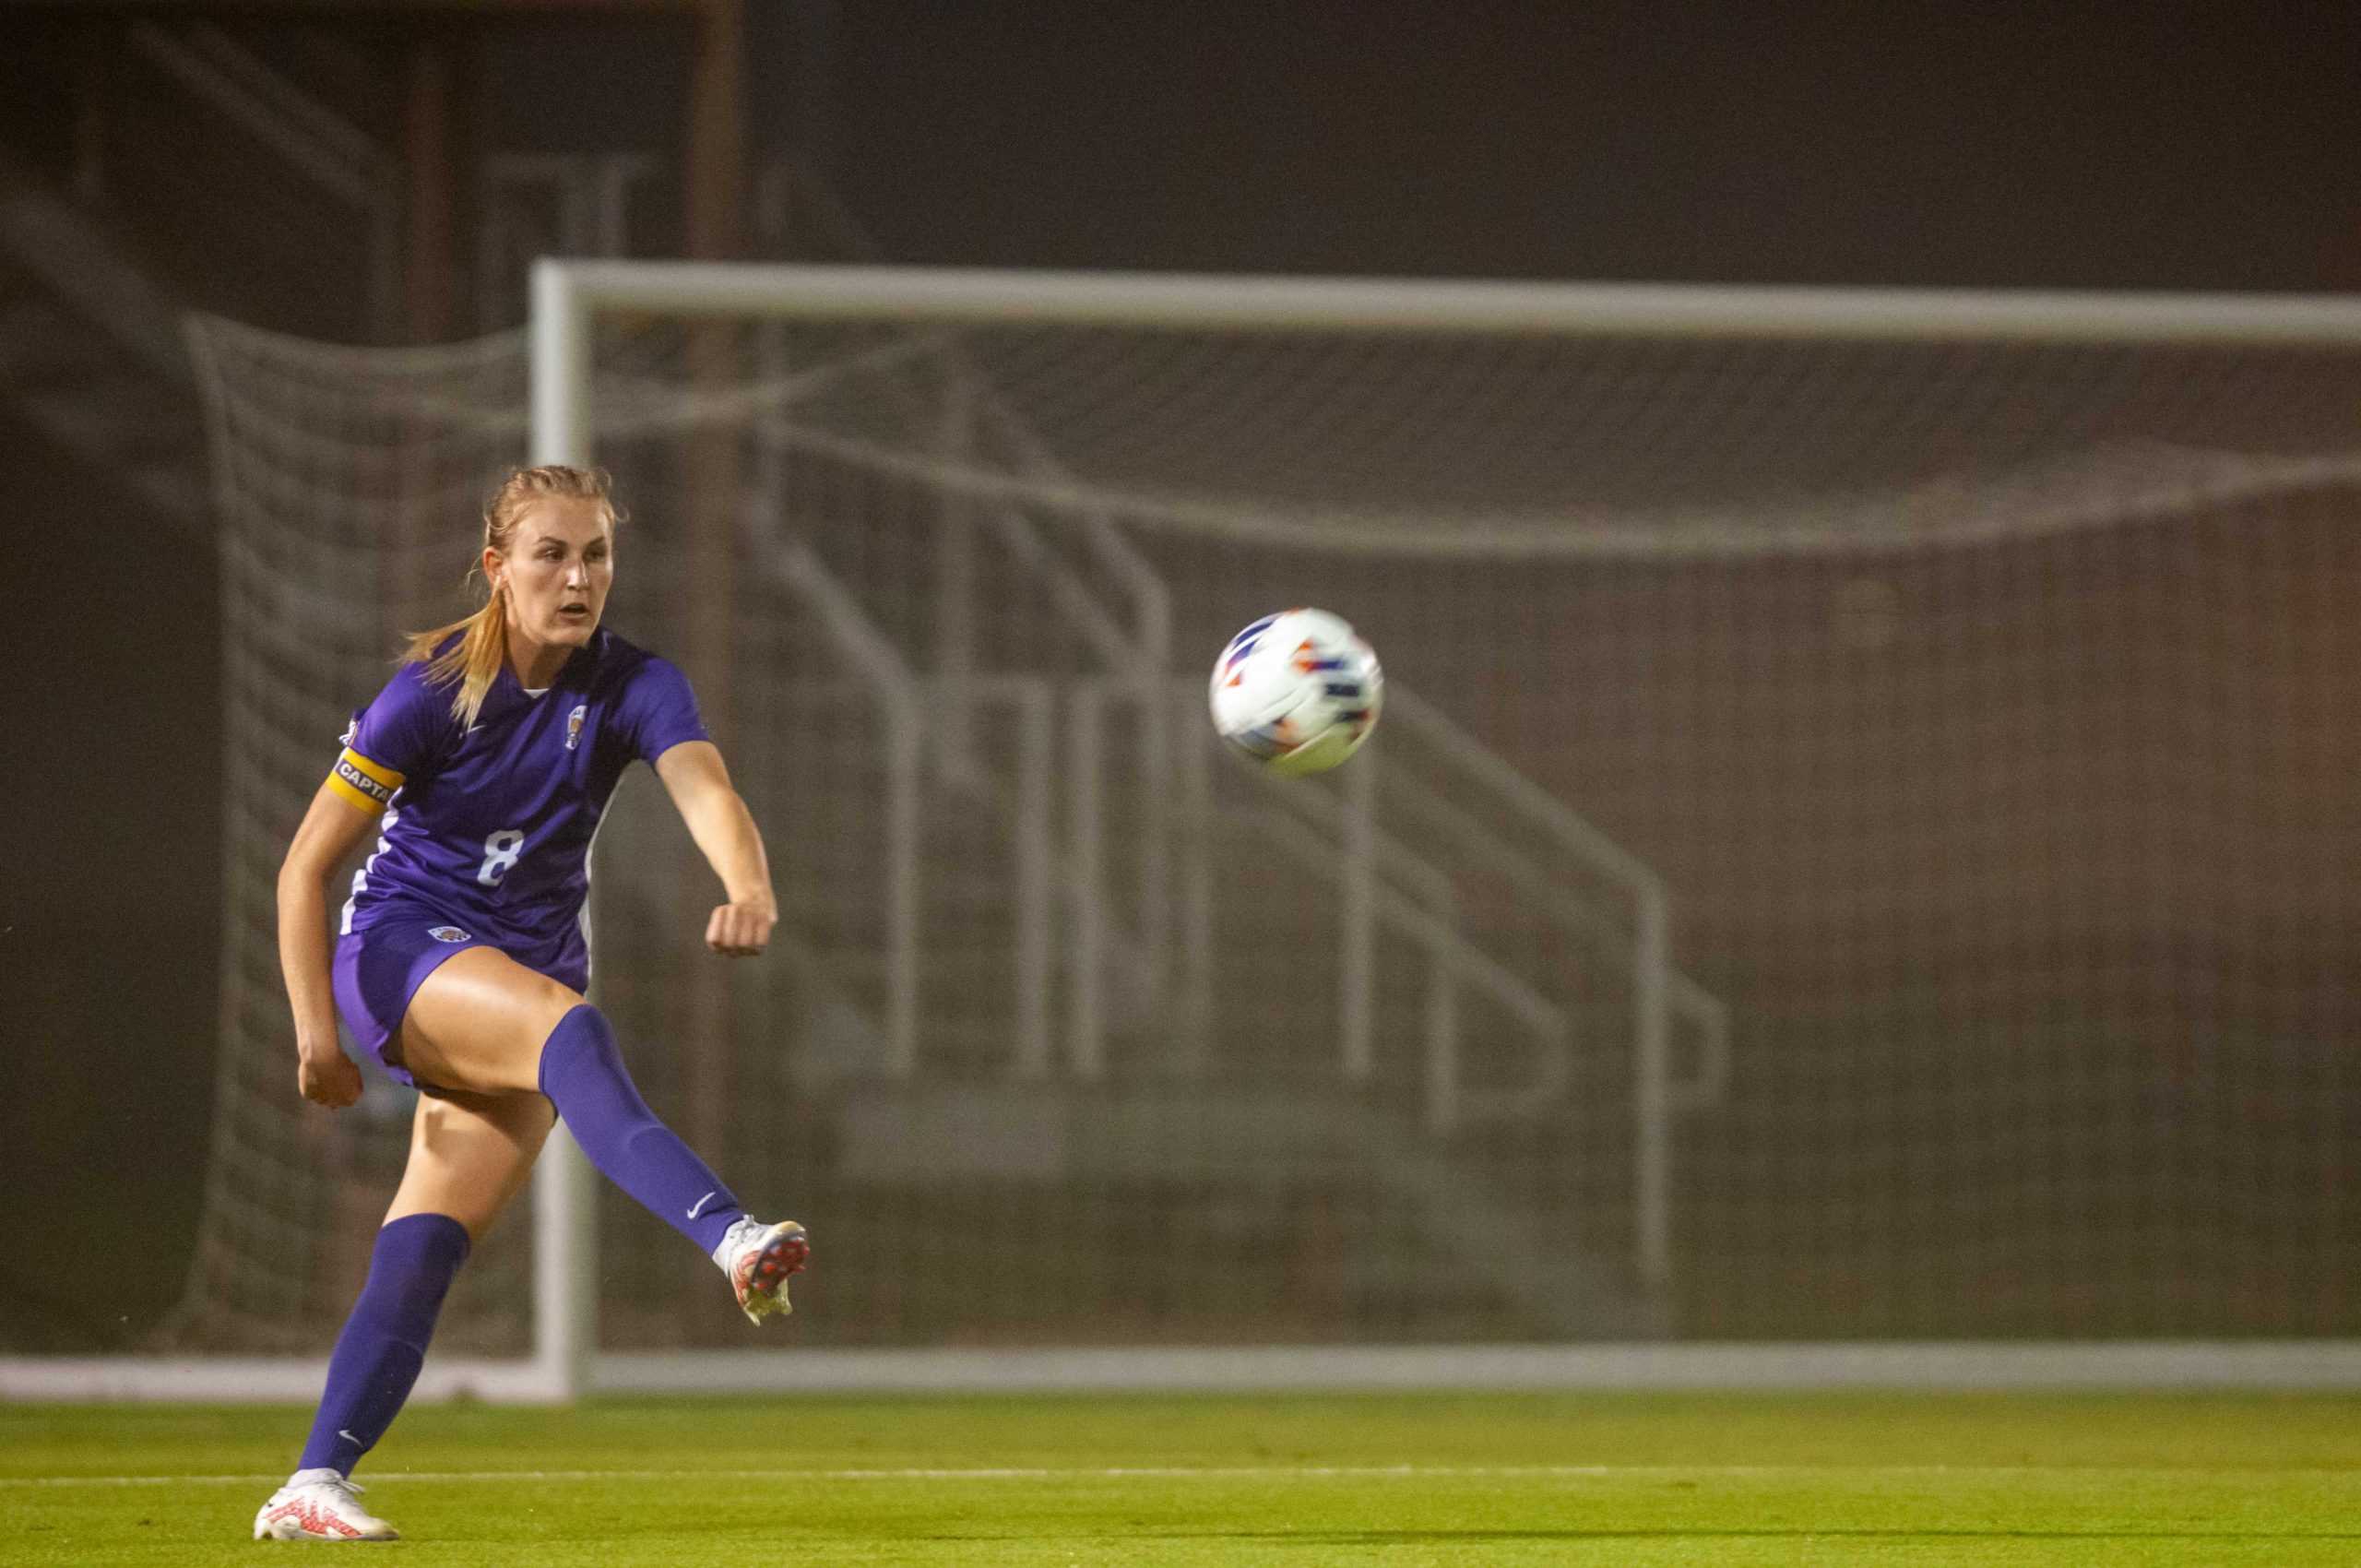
(1974, 706)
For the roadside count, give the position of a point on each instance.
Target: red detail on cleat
(765, 1272)
(315, 1520)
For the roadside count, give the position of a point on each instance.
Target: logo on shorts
(446, 934)
(574, 725)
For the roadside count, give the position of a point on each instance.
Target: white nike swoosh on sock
(346, 1436)
(699, 1204)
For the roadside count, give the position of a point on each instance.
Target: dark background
(2182, 147)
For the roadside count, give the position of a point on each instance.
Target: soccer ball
(1297, 692)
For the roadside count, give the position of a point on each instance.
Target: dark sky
(2054, 146)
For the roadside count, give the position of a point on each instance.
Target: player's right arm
(396, 735)
(332, 829)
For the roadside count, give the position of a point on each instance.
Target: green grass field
(1624, 1479)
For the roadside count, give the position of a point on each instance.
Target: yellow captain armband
(369, 785)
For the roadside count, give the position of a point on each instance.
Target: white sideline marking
(1096, 1472)
(1155, 1472)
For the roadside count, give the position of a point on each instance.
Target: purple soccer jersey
(490, 828)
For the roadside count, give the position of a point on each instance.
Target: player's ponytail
(472, 661)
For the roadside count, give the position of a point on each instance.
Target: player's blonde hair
(473, 662)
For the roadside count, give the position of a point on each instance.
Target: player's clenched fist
(329, 1079)
(740, 931)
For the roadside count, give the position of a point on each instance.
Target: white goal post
(568, 296)
(1677, 1058)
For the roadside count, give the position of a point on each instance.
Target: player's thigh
(470, 1155)
(477, 1023)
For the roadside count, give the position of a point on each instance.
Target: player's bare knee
(470, 1154)
(549, 1002)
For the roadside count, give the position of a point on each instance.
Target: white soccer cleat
(319, 1505)
(758, 1258)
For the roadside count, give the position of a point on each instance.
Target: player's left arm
(698, 781)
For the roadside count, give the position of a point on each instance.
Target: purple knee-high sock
(384, 1342)
(583, 1074)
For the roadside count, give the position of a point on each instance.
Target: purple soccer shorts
(378, 970)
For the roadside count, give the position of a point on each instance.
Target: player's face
(561, 562)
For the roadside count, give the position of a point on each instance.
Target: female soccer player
(462, 955)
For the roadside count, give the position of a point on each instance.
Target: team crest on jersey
(574, 725)
(446, 934)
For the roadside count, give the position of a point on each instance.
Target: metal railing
(790, 564)
(1658, 989)
(1382, 881)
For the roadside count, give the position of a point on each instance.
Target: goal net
(1858, 846)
